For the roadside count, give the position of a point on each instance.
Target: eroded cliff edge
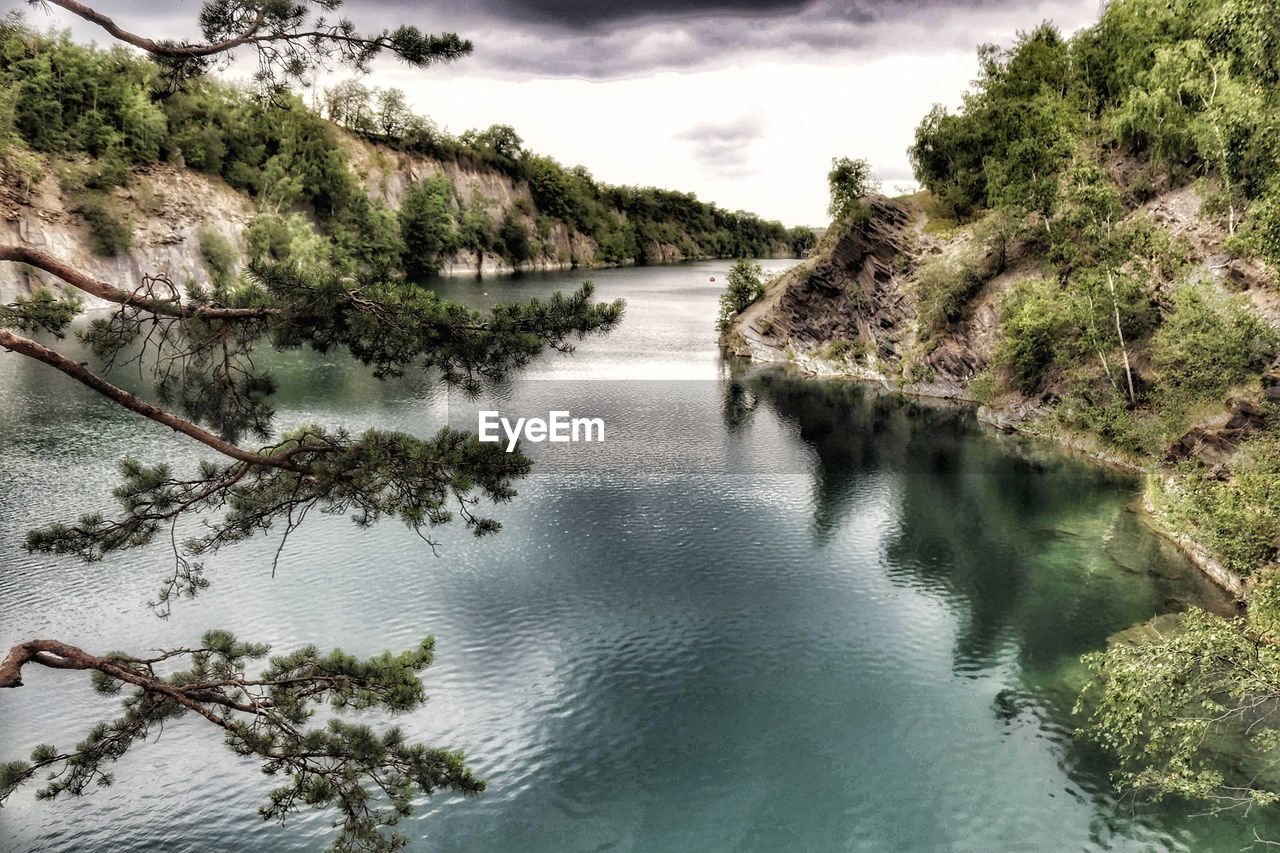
(858, 308)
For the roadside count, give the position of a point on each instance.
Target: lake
(765, 613)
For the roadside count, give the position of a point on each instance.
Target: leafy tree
(499, 142)
(393, 114)
(848, 181)
(426, 227)
(199, 345)
(1031, 327)
(1209, 344)
(513, 236)
(803, 239)
(1191, 712)
(745, 285)
(349, 104)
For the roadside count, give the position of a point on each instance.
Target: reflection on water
(766, 614)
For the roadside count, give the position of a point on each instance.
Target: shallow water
(766, 613)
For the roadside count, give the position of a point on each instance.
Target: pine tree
(198, 345)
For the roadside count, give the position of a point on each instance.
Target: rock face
(850, 309)
(388, 174)
(170, 206)
(1214, 443)
(851, 292)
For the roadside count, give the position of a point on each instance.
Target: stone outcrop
(170, 206)
(1215, 443)
(851, 309)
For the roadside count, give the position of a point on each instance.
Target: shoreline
(1195, 552)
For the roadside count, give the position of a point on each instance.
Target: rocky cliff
(170, 207)
(855, 308)
(850, 309)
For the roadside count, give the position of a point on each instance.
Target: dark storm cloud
(582, 14)
(724, 148)
(579, 38)
(599, 40)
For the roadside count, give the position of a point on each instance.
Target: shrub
(1030, 325)
(745, 286)
(426, 227)
(110, 231)
(1261, 234)
(1209, 343)
(219, 253)
(842, 349)
(848, 181)
(1238, 518)
(945, 286)
(513, 239)
(292, 238)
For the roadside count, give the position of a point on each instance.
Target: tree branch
(102, 290)
(77, 371)
(157, 48)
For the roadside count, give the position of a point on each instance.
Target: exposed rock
(168, 207)
(1214, 444)
(856, 289)
(1271, 385)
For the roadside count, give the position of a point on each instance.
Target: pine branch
(94, 287)
(370, 778)
(288, 41)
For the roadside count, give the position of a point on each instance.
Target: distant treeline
(60, 101)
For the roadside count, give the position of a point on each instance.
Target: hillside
(1093, 260)
(103, 168)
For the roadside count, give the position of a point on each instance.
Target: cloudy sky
(743, 102)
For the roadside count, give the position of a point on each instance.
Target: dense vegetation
(95, 115)
(1055, 150)
(628, 223)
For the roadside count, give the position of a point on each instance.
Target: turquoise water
(765, 614)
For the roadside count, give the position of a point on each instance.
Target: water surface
(767, 613)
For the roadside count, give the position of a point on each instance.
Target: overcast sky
(743, 102)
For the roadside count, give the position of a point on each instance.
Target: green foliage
(841, 349)
(219, 253)
(110, 230)
(42, 311)
(744, 286)
(1190, 712)
(370, 778)
(1013, 134)
(1261, 233)
(292, 238)
(513, 237)
(427, 228)
(1210, 343)
(945, 286)
(848, 181)
(70, 100)
(1031, 322)
(1237, 516)
(803, 240)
